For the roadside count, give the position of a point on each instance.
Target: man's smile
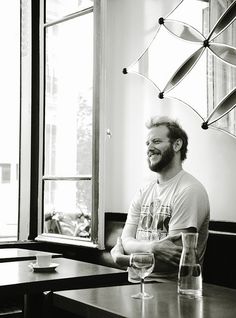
(152, 154)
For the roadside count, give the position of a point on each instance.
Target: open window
(69, 121)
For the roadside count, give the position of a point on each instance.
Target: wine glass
(142, 264)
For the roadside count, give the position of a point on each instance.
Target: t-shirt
(179, 203)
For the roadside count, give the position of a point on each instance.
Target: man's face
(159, 148)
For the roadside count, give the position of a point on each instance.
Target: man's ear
(177, 144)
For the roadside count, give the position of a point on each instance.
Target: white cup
(44, 260)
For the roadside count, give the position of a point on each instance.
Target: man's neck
(169, 173)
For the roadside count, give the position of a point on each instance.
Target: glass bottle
(189, 276)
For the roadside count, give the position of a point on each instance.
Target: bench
(219, 262)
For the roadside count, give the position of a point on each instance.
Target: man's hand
(117, 250)
(118, 254)
(167, 250)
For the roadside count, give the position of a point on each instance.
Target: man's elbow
(127, 243)
(121, 260)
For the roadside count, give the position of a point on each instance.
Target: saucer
(38, 268)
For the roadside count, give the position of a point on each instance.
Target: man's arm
(118, 255)
(167, 251)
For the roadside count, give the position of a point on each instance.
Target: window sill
(51, 238)
(18, 244)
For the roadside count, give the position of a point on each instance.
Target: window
(68, 191)
(9, 117)
(5, 173)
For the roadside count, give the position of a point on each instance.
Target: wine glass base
(142, 296)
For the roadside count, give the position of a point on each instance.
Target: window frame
(25, 155)
(97, 233)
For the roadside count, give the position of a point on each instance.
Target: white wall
(130, 100)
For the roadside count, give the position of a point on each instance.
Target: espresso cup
(44, 260)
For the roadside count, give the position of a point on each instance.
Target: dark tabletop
(16, 254)
(17, 276)
(217, 302)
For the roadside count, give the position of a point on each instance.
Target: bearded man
(174, 203)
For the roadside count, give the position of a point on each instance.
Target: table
(116, 301)
(18, 277)
(16, 254)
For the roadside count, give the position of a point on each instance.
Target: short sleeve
(134, 209)
(190, 208)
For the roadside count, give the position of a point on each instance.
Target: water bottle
(190, 275)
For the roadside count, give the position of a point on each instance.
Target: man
(176, 202)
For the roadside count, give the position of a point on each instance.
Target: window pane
(67, 207)
(9, 116)
(68, 100)
(56, 9)
(5, 173)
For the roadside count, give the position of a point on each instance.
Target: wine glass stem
(142, 285)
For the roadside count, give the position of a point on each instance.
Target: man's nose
(150, 146)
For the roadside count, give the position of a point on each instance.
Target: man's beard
(166, 158)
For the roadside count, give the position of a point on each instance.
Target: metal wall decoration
(209, 44)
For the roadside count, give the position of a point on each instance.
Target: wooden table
(114, 302)
(17, 254)
(18, 277)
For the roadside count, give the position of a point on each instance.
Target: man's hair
(175, 131)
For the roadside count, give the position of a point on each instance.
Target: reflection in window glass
(67, 176)
(56, 9)
(9, 116)
(222, 77)
(5, 173)
(68, 208)
(69, 76)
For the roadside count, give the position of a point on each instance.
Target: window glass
(68, 126)
(68, 206)
(5, 173)
(56, 9)
(9, 117)
(68, 100)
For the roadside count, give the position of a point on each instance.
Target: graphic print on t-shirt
(154, 221)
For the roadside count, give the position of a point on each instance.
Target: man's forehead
(158, 132)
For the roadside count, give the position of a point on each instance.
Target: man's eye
(154, 141)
